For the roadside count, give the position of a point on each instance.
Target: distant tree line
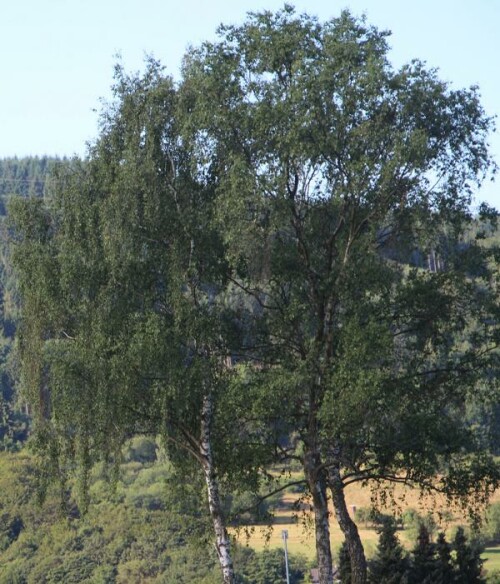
(24, 177)
(27, 176)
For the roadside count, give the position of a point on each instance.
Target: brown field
(298, 522)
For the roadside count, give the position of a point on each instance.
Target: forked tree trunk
(348, 527)
(222, 542)
(316, 481)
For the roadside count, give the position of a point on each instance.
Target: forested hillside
(148, 525)
(25, 177)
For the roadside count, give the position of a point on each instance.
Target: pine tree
(468, 560)
(424, 563)
(443, 573)
(390, 565)
(344, 564)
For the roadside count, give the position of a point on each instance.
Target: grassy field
(299, 524)
(492, 557)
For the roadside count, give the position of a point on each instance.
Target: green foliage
(443, 573)
(390, 564)
(467, 559)
(125, 330)
(26, 177)
(274, 153)
(375, 319)
(279, 206)
(429, 562)
(268, 567)
(493, 577)
(372, 516)
(414, 521)
(344, 564)
(141, 449)
(118, 541)
(424, 562)
(490, 531)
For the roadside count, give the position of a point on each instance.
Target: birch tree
(120, 273)
(335, 174)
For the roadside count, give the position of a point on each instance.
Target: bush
(372, 516)
(412, 520)
(246, 508)
(140, 449)
(103, 575)
(268, 567)
(14, 574)
(10, 528)
(490, 531)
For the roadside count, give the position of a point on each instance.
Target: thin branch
(252, 292)
(262, 498)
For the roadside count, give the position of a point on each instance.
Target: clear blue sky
(57, 56)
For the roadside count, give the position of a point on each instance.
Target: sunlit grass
(299, 522)
(492, 557)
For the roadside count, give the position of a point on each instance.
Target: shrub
(493, 577)
(140, 449)
(491, 528)
(370, 515)
(268, 567)
(412, 520)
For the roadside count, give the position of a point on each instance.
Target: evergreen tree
(390, 564)
(423, 562)
(468, 562)
(443, 573)
(344, 564)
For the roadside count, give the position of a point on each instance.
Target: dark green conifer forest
(24, 177)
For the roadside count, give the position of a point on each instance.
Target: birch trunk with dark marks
(348, 527)
(222, 542)
(316, 482)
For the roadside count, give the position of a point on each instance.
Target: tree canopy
(341, 172)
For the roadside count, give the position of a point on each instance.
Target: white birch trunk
(222, 542)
